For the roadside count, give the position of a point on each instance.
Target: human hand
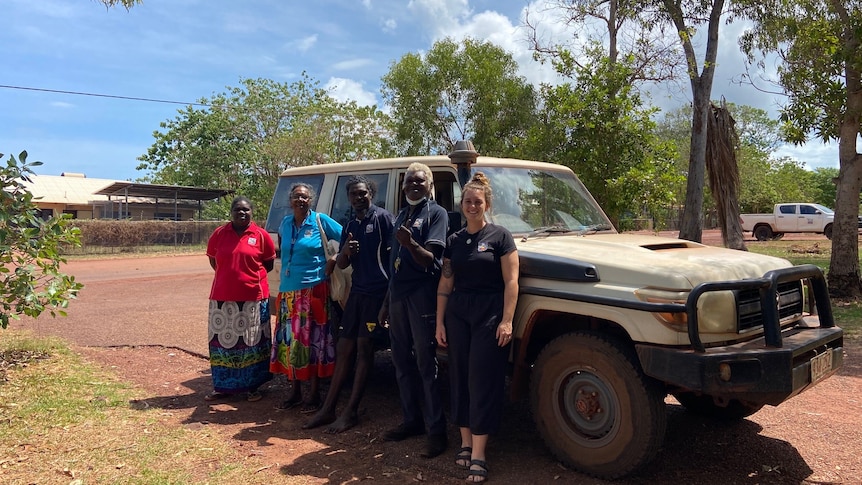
(504, 333)
(351, 246)
(404, 234)
(440, 334)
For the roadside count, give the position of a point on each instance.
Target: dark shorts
(360, 317)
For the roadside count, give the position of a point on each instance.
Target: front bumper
(749, 371)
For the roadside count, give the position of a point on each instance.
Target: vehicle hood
(650, 261)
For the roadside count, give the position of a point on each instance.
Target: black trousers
(412, 322)
(477, 365)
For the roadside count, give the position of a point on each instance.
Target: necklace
(294, 233)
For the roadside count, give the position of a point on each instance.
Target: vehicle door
(810, 219)
(786, 218)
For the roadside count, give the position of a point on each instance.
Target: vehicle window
(342, 211)
(807, 209)
(281, 199)
(787, 209)
(446, 191)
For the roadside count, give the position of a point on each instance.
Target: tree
(244, 138)
(457, 91)
(599, 128)
(30, 277)
(820, 45)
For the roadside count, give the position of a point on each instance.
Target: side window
(807, 209)
(281, 199)
(787, 209)
(446, 192)
(342, 211)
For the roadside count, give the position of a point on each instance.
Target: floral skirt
(240, 339)
(304, 346)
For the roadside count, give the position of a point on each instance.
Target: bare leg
(480, 442)
(364, 361)
(343, 360)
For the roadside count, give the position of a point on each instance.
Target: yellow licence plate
(821, 365)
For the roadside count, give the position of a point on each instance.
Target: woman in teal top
(303, 347)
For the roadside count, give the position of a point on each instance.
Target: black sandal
(479, 475)
(462, 458)
(290, 403)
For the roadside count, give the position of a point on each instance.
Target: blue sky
(183, 50)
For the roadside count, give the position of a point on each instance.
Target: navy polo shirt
(371, 265)
(429, 223)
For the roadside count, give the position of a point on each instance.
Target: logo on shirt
(252, 241)
(417, 222)
(482, 247)
(369, 228)
(307, 233)
(371, 326)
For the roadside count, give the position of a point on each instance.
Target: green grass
(65, 420)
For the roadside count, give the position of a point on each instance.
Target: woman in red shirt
(240, 336)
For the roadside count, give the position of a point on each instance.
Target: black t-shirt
(475, 258)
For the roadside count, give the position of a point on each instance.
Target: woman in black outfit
(476, 300)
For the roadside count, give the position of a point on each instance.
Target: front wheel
(594, 407)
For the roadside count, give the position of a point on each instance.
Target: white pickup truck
(786, 218)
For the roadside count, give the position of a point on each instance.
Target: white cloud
(62, 104)
(344, 90)
(352, 64)
(366, 4)
(304, 44)
(389, 25)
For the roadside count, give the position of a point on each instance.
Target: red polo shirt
(239, 272)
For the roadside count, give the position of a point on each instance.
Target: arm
(212, 262)
(424, 256)
(510, 266)
(444, 289)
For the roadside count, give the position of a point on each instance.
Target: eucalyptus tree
(819, 43)
(458, 90)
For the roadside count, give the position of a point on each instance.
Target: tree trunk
(843, 275)
(691, 226)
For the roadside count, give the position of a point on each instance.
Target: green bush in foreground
(30, 277)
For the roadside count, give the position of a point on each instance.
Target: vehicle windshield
(824, 209)
(533, 201)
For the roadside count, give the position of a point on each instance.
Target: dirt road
(135, 313)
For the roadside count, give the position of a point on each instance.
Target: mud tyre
(594, 407)
(763, 233)
(707, 406)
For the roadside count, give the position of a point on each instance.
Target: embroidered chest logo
(482, 247)
(252, 241)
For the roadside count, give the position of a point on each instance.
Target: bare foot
(343, 423)
(319, 419)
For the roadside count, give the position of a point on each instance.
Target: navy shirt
(475, 259)
(429, 223)
(371, 264)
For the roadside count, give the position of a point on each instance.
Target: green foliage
(458, 91)
(30, 277)
(599, 128)
(250, 134)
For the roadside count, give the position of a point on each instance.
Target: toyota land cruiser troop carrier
(608, 324)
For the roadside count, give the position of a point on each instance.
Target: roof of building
(76, 188)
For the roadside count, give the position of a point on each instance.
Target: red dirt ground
(145, 318)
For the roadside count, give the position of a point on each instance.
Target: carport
(171, 195)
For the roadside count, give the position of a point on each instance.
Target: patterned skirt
(304, 346)
(240, 339)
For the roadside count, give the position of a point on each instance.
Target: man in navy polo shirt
(365, 245)
(417, 251)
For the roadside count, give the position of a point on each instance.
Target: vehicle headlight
(716, 310)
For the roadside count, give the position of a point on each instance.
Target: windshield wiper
(545, 230)
(595, 228)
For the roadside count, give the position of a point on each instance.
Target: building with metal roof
(92, 198)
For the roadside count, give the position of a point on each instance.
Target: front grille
(749, 314)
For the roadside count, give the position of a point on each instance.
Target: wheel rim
(588, 406)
